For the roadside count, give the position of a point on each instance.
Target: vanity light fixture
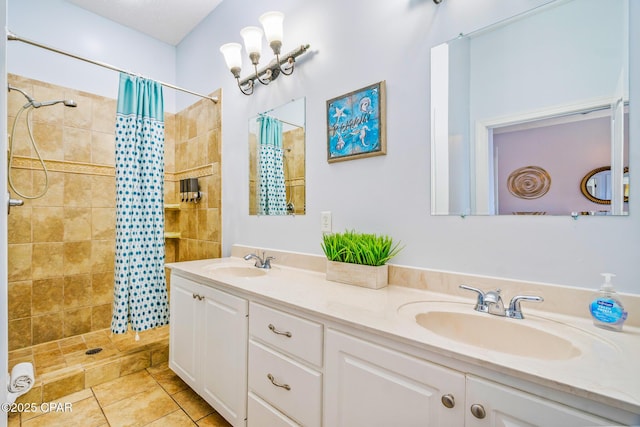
(252, 36)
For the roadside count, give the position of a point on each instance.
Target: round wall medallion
(529, 182)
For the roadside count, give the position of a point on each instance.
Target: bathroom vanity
(285, 347)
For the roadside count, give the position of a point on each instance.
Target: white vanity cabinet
(285, 362)
(262, 361)
(369, 385)
(494, 405)
(208, 345)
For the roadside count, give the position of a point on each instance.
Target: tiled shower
(61, 246)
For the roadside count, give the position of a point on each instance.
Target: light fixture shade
(232, 54)
(272, 24)
(252, 37)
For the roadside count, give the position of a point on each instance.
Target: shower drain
(93, 350)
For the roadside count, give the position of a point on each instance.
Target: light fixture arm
(271, 71)
(247, 89)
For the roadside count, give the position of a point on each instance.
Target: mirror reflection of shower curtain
(272, 190)
(140, 295)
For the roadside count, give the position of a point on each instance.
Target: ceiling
(166, 20)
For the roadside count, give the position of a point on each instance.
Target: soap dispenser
(606, 308)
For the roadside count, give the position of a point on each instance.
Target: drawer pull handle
(273, 381)
(275, 331)
(199, 297)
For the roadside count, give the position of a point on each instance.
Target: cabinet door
(223, 343)
(370, 385)
(507, 407)
(183, 330)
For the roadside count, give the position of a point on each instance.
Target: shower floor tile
(63, 367)
(52, 356)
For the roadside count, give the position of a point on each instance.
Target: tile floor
(153, 397)
(63, 367)
(69, 352)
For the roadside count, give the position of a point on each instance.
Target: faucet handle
(267, 262)
(514, 311)
(480, 304)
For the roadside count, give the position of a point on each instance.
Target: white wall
(360, 42)
(67, 27)
(548, 60)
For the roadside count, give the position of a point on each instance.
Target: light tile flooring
(153, 397)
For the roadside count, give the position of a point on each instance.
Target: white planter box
(360, 275)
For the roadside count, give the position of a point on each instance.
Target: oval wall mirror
(596, 185)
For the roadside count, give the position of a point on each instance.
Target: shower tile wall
(61, 246)
(294, 171)
(197, 154)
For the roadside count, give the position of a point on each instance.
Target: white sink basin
(532, 337)
(238, 271)
(498, 334)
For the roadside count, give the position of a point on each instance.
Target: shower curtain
(140, 289)
(273, 194)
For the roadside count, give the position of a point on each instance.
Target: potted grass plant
(359, 258)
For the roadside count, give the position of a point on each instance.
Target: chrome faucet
(494, 303)
(261, 262)
(491, 302)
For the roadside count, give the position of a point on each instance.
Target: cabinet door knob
(275, 331)
(478, 411)
(448, 401)
(277, 384)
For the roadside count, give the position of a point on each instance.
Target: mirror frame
(588, 176)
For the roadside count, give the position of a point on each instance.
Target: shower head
(32, 102)
(66, 102)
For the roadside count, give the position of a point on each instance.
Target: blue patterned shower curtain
(140, 290)
(273, 193)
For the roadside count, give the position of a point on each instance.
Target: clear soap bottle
(606, 308)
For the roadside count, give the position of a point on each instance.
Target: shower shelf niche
(172, 234)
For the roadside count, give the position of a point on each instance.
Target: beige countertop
(607, 370)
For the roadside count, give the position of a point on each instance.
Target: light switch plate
(325, 222)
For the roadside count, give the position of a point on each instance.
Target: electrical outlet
(325, 222)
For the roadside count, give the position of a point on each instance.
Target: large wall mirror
(277, 160)
(522, 110)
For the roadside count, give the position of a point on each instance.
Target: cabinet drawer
(302, 401)
(261, 414)
(292, 334)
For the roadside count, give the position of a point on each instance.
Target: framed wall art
(356, 125)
